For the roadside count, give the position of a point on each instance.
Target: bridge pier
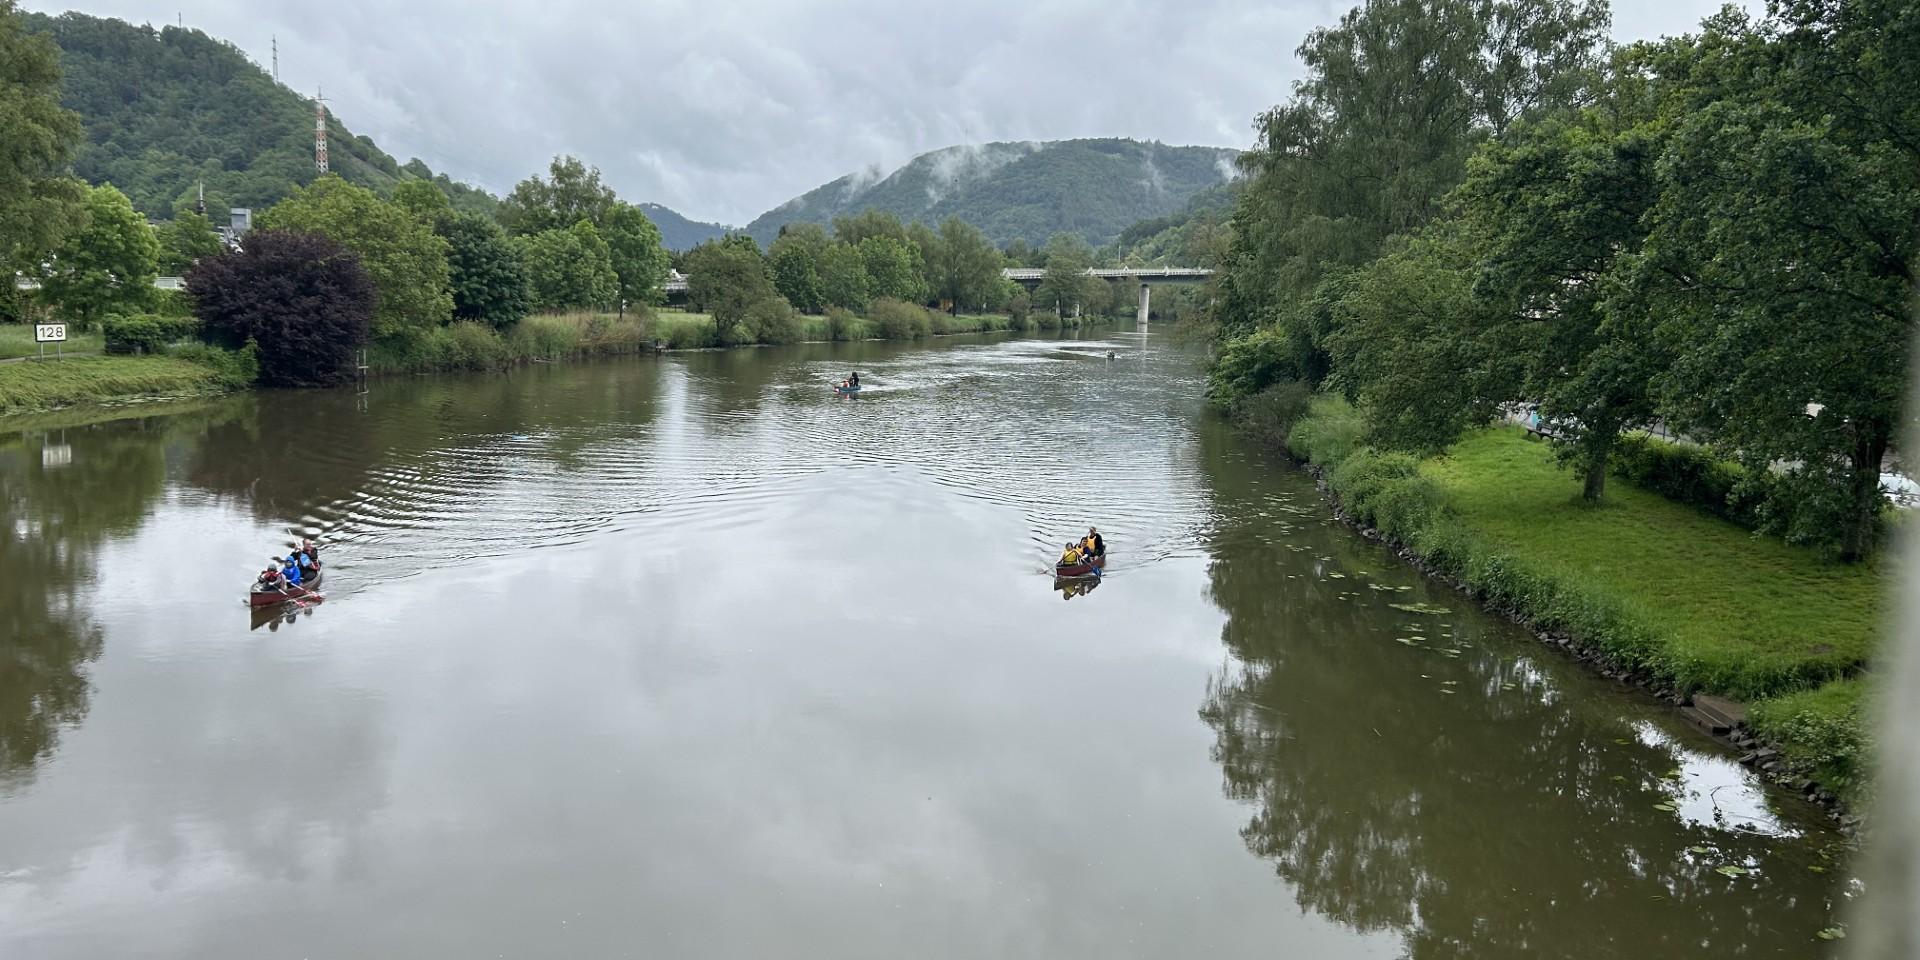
(1145, 302)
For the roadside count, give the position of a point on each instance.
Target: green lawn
(16, 340)
(1727, 601)
(35, 385)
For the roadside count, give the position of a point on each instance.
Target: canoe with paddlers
(263, 595)
(1085, 568)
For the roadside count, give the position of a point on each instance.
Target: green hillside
(166, 109)
(1027, 191)
(678, 232)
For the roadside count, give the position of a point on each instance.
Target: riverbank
(32, 387)
(1651, 591)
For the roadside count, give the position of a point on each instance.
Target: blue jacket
(292, 572)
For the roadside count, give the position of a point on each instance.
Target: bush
(899, 320)
(1823, 730)
(146, 332)
(1268, 417)
(939, 324)
(1251, 364)
(841, 324)
(235, 369)
(1685, 473)
(1331, 431)
(469, 346)
(770, 321)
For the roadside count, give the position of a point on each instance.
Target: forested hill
(165, 109)
(678, 232)
(1028, 191)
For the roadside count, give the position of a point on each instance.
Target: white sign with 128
(49, 332)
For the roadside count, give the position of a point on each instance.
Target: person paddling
(853, 380)
(291, 572)
(1093, 546)
(1070, 557)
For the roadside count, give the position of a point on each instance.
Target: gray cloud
(722, 110)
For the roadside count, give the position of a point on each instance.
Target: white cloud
(724, 110)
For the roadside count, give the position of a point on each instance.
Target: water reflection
(1426, 774)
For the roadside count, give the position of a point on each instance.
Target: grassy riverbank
(1684, 598)
(34, 385)
(16, 340)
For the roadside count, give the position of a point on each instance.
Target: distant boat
(1089, 568)
(846, 391)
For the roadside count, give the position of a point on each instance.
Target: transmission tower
(320, 132)
(276, 59)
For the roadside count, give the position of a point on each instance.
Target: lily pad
(1665, 807)
(1419, 608)
(1832, 933)
(1731, 870)
(1616, 778)
(1699, 850)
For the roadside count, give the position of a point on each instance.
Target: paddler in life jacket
(1092, 545)
(1071, 555)
(269, 578)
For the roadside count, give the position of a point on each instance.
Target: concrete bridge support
(1145, 303)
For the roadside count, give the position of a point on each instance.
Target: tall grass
(35, 385)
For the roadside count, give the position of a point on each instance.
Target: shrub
(940, 324)
(841, 324)
(469, 346)
(1331, 431)
(1823, 730)
(146, 332)
(1269, 416)
(770, 321)
(899, 320)
(305, 300)
(1685, 473)
(235, 369)
(1251, 364)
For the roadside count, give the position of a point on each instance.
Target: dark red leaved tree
(303, 299)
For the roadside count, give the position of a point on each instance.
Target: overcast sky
(722, 110)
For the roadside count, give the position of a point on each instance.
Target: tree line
(1474, 204)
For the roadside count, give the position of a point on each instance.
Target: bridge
(1030, 278)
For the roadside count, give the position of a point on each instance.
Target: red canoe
(310, 587)
(1089, 569)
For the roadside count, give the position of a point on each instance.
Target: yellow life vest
(1070, 557)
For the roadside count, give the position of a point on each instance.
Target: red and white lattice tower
(320, 133)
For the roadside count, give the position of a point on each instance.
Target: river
(686, 657)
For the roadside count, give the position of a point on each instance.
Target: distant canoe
(309, 587)
(846, 391)
(1088, 569)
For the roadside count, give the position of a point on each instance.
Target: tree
(1782, 254)
(725, 277)
(894, 268)
(640, 259)
(795, 260)
(422, 201)
(407, 261)
(485, 270)
(571, 193)
(305, 301)
(187, 238)
(107, 266)
(1067, 287)
(1397, 96)
(867, 224)
(843, 277)
(965, 266)
(37, 202)
(570, 269)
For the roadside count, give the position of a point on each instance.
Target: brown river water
(687, 657)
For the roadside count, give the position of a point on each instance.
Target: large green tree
(572, 192)
(423, 201)
(727, 277)
(640, 259)
(37, 202)
(186, 238)
(486, 271)
(795, 258)
(894, 268)
(1396, 97)
(407, 260)
(843, 277)
(107, 266)
(964, 267)
(1067, 288)
(1782, 255)
(570, 269)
